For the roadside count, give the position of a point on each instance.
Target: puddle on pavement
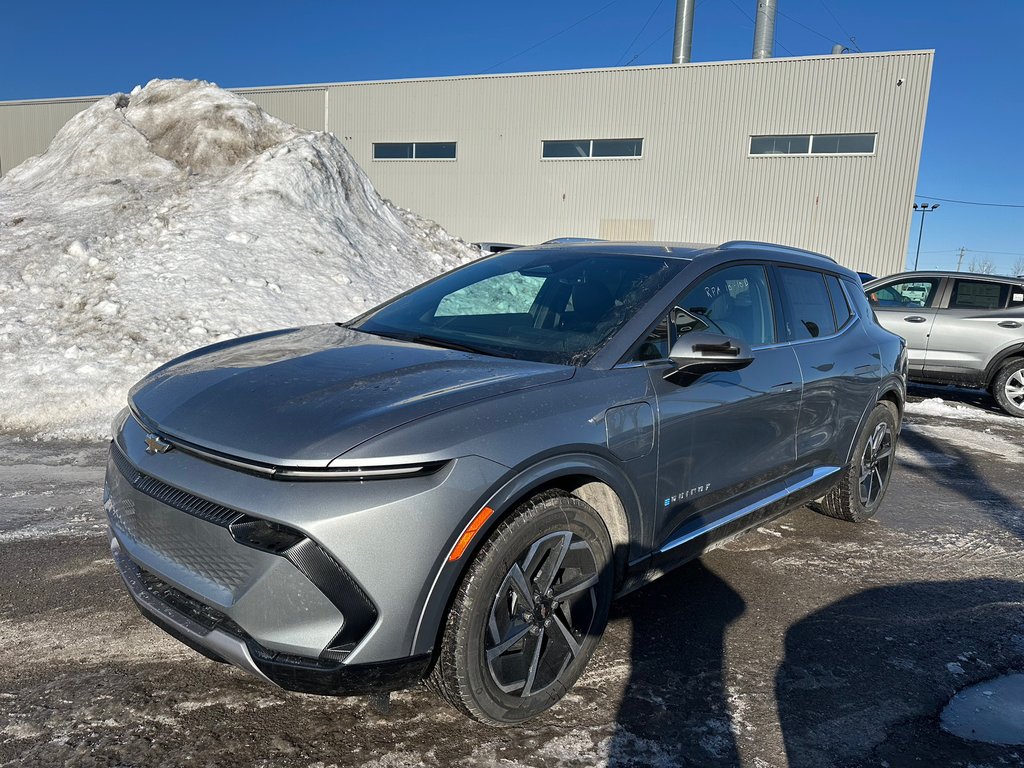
(992, 711)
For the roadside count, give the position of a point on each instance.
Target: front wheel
(529, 612)
(859, 494)
(1008, 388)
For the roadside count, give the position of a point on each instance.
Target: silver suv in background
(456, 484)
(962, 329)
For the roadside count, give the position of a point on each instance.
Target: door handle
(915, 319)
(1009, 324)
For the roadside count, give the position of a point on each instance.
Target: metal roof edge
(501, 75)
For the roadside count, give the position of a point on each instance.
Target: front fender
(502, 497)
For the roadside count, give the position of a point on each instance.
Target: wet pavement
(807, 642)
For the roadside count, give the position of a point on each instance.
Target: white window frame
(413, 159)
(810, 145)
(590, 149)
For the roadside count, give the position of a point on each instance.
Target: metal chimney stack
(764, 29)
(683, 43)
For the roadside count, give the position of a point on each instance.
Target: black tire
(858, 495)
(478, 670)
(1008, 387)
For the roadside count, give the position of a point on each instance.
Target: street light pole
(920, 233)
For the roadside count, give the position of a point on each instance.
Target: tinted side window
(808, 307)
(855, 293)
(1017, 296)
(906, 293)
(734, 301)
(839, 303)
(978, 294)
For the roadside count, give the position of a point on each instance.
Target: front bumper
(332, 605)
(220, 639)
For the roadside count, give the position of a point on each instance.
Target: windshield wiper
(446, 344)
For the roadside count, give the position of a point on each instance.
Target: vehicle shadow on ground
(912, 645)
(675, 710)
(864, 679)
(962, 474)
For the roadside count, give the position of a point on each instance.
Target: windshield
(556, 307)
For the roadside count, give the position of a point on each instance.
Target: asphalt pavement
(806, 642)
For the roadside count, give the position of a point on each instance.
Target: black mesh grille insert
(171, 496)
(199, 612)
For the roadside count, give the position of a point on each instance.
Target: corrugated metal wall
(304, 107)
(28, 127)
(694, 183)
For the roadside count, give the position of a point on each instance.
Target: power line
(976, 250)
(642, 30)
(658, 39)
(551, 37)
(842, 29)
(971, 202)
(816, 32)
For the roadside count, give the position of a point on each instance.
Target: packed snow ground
(173, 217)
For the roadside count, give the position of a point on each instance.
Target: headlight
(118, 423)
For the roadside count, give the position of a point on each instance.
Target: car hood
(304, 397)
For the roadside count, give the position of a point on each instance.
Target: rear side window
(839, 303)
(1017, 295)
(978, 294)
(808, 306)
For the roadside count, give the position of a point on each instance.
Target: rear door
(839, 365)
(905, 306)
(978, 317)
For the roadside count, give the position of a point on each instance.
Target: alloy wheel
(875, 464)
(542, 613)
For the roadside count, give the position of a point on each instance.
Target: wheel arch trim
(616, 502)
(1001, 357)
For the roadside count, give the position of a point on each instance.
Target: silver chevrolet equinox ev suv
(454, 485)
(960, 329)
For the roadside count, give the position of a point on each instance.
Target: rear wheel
(529, 613)
(859, 494)
(1008, 387)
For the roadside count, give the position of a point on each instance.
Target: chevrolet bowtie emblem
(156, 444)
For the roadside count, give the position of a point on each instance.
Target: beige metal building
(818, 152)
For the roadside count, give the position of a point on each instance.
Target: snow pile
(173, 217)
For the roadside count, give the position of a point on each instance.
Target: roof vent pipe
(683, 43)
(764, 29)
(838, 49)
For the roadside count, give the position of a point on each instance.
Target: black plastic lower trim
(344, 679)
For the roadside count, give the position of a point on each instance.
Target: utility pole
(960, 260)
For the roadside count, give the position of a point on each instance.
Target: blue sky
(975, 113)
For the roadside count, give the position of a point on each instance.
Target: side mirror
(700, 352)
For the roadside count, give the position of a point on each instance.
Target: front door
(728, 433)
(905, 307)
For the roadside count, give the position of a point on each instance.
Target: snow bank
(172, 217)
(936, 406)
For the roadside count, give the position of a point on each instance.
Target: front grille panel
(181, 500)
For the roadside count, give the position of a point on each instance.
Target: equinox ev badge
(156, 444)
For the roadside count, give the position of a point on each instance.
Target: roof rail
(773, 247)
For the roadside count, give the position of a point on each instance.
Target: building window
(419, 150)
(843, 144)
(585, 148)
(814, 144)
(779, 145)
